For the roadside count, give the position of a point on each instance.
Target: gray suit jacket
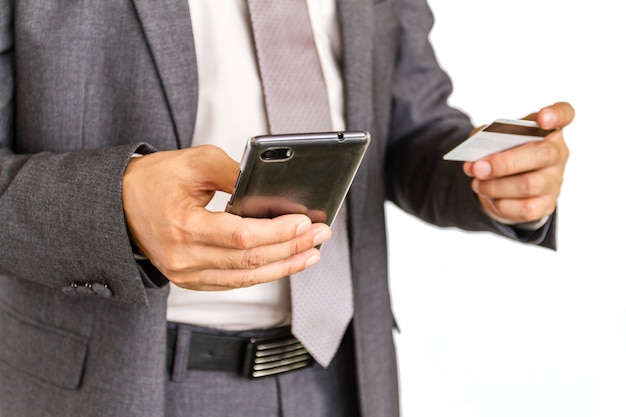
(83, 85)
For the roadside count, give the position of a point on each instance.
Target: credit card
(501, 135)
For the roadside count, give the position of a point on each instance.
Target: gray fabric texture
(83, 85)
(297, 101)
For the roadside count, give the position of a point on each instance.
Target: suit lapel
(356, 27)
(167, 28)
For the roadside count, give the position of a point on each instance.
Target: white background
(495, 328)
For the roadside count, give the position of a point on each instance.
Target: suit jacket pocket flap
(47, 353)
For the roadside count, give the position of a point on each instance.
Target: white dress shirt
(231, 109)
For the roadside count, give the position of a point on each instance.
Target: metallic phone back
(313, 180)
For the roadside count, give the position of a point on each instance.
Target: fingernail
(321, 237)
(313, 259)
(549, 119)
(303, 227)
(482, 169)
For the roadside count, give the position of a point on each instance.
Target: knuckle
(241, 238)
(532, 185)
(253, 258)
(298, 246)
(173, 264)
(505, 164)
(545, 154)
(245, 280)
(531, 209)
(176, 231)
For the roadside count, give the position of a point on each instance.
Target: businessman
(121, 120)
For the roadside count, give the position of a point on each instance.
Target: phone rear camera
(269, 154)
(276, 154)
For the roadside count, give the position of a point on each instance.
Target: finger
(231, 231)
(194, 173)
(184, 230)
(208, 167)
(468, 168)
(530, 184)
(555, 116)
(521, 210)
(196, 258)
(263, 255)
(528, 157)
(212, 280)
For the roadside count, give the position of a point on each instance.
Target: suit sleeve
(423, 128)
(61, 216)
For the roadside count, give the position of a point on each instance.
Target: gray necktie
(296, 101)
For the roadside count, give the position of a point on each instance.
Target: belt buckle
(274, 355)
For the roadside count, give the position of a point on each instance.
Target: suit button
(102, 290)
(70, 289)
(84, 289)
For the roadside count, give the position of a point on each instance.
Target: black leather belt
(252, 357)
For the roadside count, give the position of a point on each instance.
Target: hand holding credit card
(498, 136)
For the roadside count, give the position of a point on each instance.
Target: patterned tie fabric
(296, 101)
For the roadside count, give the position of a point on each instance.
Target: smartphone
(307, 173)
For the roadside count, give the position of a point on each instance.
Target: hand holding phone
(164, 200)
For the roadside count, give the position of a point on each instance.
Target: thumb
(212, 168)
